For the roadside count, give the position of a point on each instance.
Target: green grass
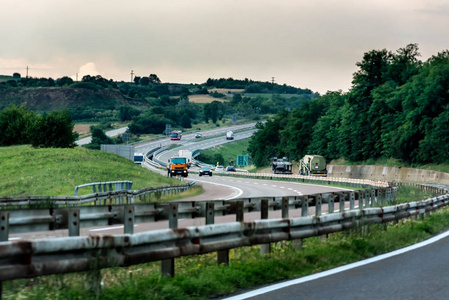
(228, 151)
(199, 277)
(27, 171)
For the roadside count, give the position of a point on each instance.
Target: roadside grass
(199, 277)
(228, 152)
(27, 171)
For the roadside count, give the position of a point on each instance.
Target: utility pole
(272, 80)
(27, 72)
(132, 74)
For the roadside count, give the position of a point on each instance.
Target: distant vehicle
(198, 135)
(176, 135)
(219, 169)
(138, 158)
(229, 135)
(177, 166)
(205, 171)
(313, 165)
(230, 169)
(281, 165)
(188, 155)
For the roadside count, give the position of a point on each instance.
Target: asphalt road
(420, 271)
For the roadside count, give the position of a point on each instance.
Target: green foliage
(17, 126)
(98, 137)
(21, 126)
(185, 121)
(54, 130)
(397, 108)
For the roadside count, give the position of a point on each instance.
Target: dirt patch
(82, 128)
(204, 99)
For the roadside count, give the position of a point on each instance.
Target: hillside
(27, 171)
(59, 98)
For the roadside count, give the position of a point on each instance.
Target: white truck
(229, 135)
(188, 155)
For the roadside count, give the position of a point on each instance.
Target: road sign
(242, 160)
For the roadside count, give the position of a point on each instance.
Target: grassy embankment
(55, 172)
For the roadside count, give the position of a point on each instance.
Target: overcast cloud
(308, 44)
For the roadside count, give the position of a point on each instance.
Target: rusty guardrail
(28, 259)
(74, 217)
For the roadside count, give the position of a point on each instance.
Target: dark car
(230, 169)
(198, 135)
(205, 171)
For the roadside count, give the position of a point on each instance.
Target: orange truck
(177, 166)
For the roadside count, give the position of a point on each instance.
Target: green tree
(154, 79)
(55, 130)
(17, 126)
(185, 121)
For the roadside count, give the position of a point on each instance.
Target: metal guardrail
(107, 198)
(28, 259)
(13, 221)
(103, 186)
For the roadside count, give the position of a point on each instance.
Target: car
(219, 169)
(230, 169)
(198, 135)
(205, 171)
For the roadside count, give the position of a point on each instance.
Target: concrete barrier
(390, 174)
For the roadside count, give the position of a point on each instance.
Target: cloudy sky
(311, 44)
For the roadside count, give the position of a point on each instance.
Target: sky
(312, 44)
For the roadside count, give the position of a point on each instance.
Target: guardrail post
(239, 208)
(341, 202)
(240, 211)
(318, 204)
(74, 222)
(210, 213)
(4, 228)
(129, 219)
(285, 203)
(351, 200)
(304, 206)
(330, 204)
(168, 265)
(264, 248)
(373, 198)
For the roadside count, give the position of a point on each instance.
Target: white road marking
(110, 228)
(338, 270)
(239, 191)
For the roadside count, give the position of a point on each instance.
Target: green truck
(312, 165)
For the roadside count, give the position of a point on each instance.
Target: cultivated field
(209, 99)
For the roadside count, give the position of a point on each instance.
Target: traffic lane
(190, 138)
(267, 188)
(416, 272)
(201, 144)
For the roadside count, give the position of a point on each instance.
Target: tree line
(397, 107)
(20, 126)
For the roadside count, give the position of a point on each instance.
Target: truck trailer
(313, 165)
(188, 155)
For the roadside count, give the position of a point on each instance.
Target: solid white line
(110, 228)
(338, 270)
(239, 191)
